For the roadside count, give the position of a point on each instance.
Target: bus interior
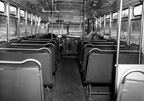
(71, 50)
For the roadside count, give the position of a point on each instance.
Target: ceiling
(70, 10)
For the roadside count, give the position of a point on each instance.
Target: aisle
(68, 86)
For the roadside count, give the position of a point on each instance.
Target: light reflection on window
(138, 10)
(115, 15)
(22, 13)
(125, 13)
(13, 10)
(2, 7)
(29, 16)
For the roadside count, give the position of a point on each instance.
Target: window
(22, 13)
(33, 28)
(125, 13)
(43, 29)
(135, 31)
(137, 10)
(58, 29)
(22, 28)
(2, 7)
(3, 29)
(108, 16)
(13, 10)
(28, 28)
(75, 29)
(34, 17)
(98, 20)
(13, 28)
(102, 19)
(29, 16)
(115, 15)
(124, 30)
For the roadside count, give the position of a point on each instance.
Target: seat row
(26, 67)
(97, 63)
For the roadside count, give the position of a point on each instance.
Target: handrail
(22, 62)
(26, 49)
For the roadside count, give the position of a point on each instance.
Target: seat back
(130, 82)
(21, 81)
(43, 55)
(128, 57)
(99, 67)
(48, 45)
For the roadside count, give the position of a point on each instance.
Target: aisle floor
(68, 85)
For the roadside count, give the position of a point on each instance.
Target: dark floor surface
(68, 85)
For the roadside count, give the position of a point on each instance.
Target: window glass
(124, 30)
(34, 17)
(114, 30)
(108, 16)
(98, 20)
(13, 28)
(29, 16)
(102, 19)
(115, 15)
(107, 28)
(42, 28)
(13, 10)
(102, 29)
(2, 7)
(137, 10)
(56, 30)
(29, 28)
(125, 13)
(75, 29)
(22, 28)
(22, 13)
(33, 28)
(135, 31)
(3, 29)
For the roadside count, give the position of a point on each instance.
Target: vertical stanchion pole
(84, 27)
(110, 25)
(8, 21)
(52, 18)
(141, 43)
(118, 44)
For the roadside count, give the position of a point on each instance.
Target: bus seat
(99, 69)
(21, 81)
(130, 82)
(42, 55)
(48, 45)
